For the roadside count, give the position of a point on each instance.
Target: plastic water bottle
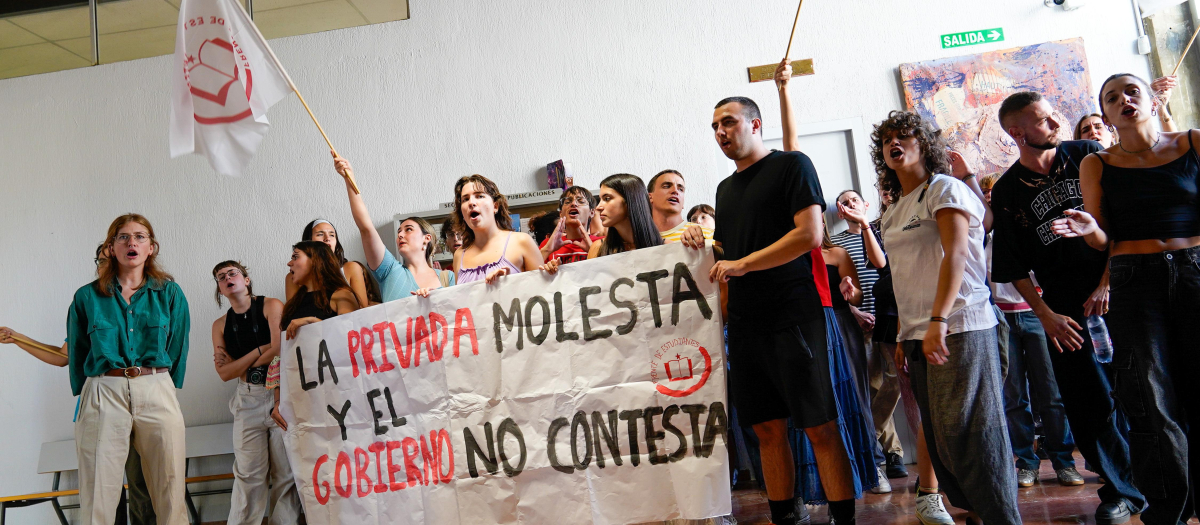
(1100, 339)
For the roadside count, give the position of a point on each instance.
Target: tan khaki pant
(885, 395)
(259, 453)
(111, 409)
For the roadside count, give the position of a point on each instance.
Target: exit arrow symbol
(994, 34)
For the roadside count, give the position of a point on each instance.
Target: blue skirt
(857, 436)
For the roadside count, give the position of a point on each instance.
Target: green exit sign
(970, 38)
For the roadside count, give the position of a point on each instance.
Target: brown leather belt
(135, 371)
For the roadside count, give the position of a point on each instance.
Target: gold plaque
(767, 72)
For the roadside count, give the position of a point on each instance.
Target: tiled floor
(1046, 502)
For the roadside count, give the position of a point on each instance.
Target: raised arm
(783, 75)
(962, 171)
(373, 245)
(1162, 87)
(871, 247)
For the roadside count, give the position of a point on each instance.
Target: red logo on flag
(211, 73)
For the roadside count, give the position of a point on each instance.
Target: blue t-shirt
(395, 280)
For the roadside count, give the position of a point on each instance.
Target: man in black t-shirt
(1026, 200)
(770, 211)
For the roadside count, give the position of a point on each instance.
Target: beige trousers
(259, 456)
(110, 410)
(885, 394)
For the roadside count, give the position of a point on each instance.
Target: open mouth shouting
(1129, 110)
(132, 254)
(673, 200)
(896, 152)
(474, 216)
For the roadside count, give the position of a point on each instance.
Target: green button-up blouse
(150, 330)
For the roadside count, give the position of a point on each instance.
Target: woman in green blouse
(127, 332)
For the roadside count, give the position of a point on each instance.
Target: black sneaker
(1114, 512)
(895, 466)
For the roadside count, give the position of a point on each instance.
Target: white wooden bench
(60, 456)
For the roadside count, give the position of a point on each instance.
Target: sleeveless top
(245, 332)
(1153, 203)
(835, 290)
(478, 273)
(308, 308)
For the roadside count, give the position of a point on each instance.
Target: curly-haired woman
(934, 234)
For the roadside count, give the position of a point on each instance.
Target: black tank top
(835, 292)
(308, 308)
(244, 333)
(1153, 203)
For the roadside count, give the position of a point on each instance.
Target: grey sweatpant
(962, 412)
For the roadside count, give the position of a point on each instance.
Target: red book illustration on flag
(226, 77)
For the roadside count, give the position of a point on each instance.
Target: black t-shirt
(1024, 204)
(757, 207)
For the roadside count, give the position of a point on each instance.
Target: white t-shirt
(914, 248)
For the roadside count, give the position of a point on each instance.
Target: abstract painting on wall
(963, 95)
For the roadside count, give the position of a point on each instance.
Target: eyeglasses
(227, 275)
(139, 238)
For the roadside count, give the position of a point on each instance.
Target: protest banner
(596, 395)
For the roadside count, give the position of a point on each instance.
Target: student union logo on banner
(680, 367)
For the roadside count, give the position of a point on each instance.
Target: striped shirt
(866, 277)
(676, 234)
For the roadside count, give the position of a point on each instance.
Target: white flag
(226, 77)
(1149, 7)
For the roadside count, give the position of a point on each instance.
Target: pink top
(478, 273)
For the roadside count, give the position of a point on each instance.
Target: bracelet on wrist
(260, 351)
(937, 319)
(968, 176)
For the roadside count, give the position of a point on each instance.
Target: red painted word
(357, 475)
(432, 335)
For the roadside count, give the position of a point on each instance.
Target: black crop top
(245, 332)
(1153, 203)
(308, 308)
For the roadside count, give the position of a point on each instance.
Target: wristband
(968, 176)
(937, 319)
(260, 351)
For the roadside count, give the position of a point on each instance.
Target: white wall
(465, 86)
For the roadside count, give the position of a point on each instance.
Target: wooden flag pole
(1185, 51)
(286, 76)
(39, 346)
(799, 67)
(788, 54)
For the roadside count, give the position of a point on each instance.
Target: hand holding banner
(596, 395)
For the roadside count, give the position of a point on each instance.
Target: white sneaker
(931, 511)
(885, 486)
